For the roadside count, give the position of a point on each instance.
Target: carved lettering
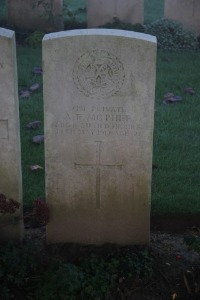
(100, 121)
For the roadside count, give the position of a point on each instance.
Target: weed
(34, 39)
(17, 262)
(60, 282)
(41, 211)
(117, 24)
(8, 206)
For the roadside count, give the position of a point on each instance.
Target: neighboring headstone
(186, 12)
(46, 15)
(11, 226)
(99, 110)
(100, 12)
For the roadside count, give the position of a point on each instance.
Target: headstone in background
(46, 15)
(186, 12)
(11, 226)
(100, 12)
(99, 110)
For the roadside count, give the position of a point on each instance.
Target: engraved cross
(99, 166)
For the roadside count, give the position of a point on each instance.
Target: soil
(176, 268)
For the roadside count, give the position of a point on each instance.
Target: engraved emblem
(98, 73)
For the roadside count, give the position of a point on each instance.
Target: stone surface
(100, 12)
(186, 12)
(44, 15)
(11, 226)
(99, 110)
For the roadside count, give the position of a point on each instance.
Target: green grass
(176, 136)
(30, 109)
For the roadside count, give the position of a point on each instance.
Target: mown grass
(30, 109)
(176, 137)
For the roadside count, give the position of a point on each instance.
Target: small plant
(40, 211)
(8, 205)
(192, 240)
(35, 39)
(98, 278)
(17, 264)
(117, 24)
(172, 36)
(63, 281)
(72, 20)
(102, 275)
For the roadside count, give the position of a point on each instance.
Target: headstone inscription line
(98, 135)
(11, 225)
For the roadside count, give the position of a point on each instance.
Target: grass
(176, 142)
(175, 180)
(30, 109)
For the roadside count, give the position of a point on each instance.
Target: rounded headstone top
(6, 32)
(103, 32)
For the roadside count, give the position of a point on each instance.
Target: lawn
(175, 180)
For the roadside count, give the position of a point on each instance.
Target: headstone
(11, 225)
(100, 12)
(99, 108)
(43, 15)
(186, 12)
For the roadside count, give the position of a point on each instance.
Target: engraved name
(100, 120)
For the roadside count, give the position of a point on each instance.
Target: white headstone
(42, 15)
(100, 12)
(186, 12)
(11, 225)
(99, 110)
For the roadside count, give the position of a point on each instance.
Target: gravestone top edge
(101, 32)
(6, 32)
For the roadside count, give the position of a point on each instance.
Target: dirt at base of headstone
(172, 259)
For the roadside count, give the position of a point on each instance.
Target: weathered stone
(44, 15)
(99, 108)
(11, 225)
(186, 12)
(100, 12)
